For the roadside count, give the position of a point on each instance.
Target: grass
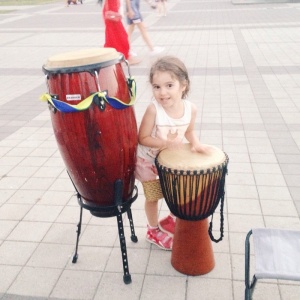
(26, 2)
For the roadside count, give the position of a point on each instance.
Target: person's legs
(159, 8)
(130, 30)
(164, 7)
(145, 35)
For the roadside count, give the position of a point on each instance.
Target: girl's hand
(200, 148)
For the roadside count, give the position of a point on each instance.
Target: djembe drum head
(192, 182)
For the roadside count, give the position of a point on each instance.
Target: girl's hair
(175, 67)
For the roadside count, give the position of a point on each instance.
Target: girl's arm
(146, 128)
(190, 133)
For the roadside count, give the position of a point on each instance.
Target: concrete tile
(8, 274)
(46, 213)
(16, 253)
(26, 197)
(264, 179)
(279, 208)
(12, 183)
(292, 223)
(243, 223)
(91, 259)
(65, 234)
(51, 256)
(262, 290)
(175, 284)
(289, 292)
(7, 226)
(14, 211)
(273, 193)
(240, 179)
(137, 260)
(29, 231)
(26, 282)
(205, 288)
(70, 214)
(99, 236)
(55, 198)
(41, 183)
(111, 287)
(244, 206)
(19, 171)
(76, 285)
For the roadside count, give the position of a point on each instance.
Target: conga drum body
(97, 144)
(192, 184)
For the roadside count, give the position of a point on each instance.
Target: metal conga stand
(117, 210)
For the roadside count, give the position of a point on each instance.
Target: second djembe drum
(193, 186)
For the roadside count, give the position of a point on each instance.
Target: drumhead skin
(81, 58)
(192, 183)
(185, 160)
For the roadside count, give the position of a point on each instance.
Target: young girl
(167, 121)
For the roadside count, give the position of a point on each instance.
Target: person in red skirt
(115, 33)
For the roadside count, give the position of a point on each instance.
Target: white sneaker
(157, 50)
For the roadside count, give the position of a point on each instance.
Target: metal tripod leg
(126, 276)
(133, 236)
(74, 260)
(118, 187)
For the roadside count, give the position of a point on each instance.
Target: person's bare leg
(151, 210)
(145, 35)
(130, 30)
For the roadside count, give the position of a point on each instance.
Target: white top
(166, 128)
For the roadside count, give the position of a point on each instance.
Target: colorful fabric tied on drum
(86, 103)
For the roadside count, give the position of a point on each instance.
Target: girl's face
(167, 90)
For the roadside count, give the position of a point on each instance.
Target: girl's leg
(151, 210)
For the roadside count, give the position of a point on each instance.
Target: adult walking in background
(115, 33)
(134, 18)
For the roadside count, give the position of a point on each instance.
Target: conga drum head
(192, 182)
(81, 58)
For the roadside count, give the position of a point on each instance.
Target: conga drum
(93, 121)
(193, 185)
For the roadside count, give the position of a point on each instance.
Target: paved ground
(244, 62)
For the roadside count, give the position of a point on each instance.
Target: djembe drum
(93, 121)
(193, 185)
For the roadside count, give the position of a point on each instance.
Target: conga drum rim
(185, 161)
(82, 60)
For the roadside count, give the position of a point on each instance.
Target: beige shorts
(145, 170)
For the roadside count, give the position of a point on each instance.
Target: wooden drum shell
(98, 147)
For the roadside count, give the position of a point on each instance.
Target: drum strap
(86, 103)
(210, 229)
